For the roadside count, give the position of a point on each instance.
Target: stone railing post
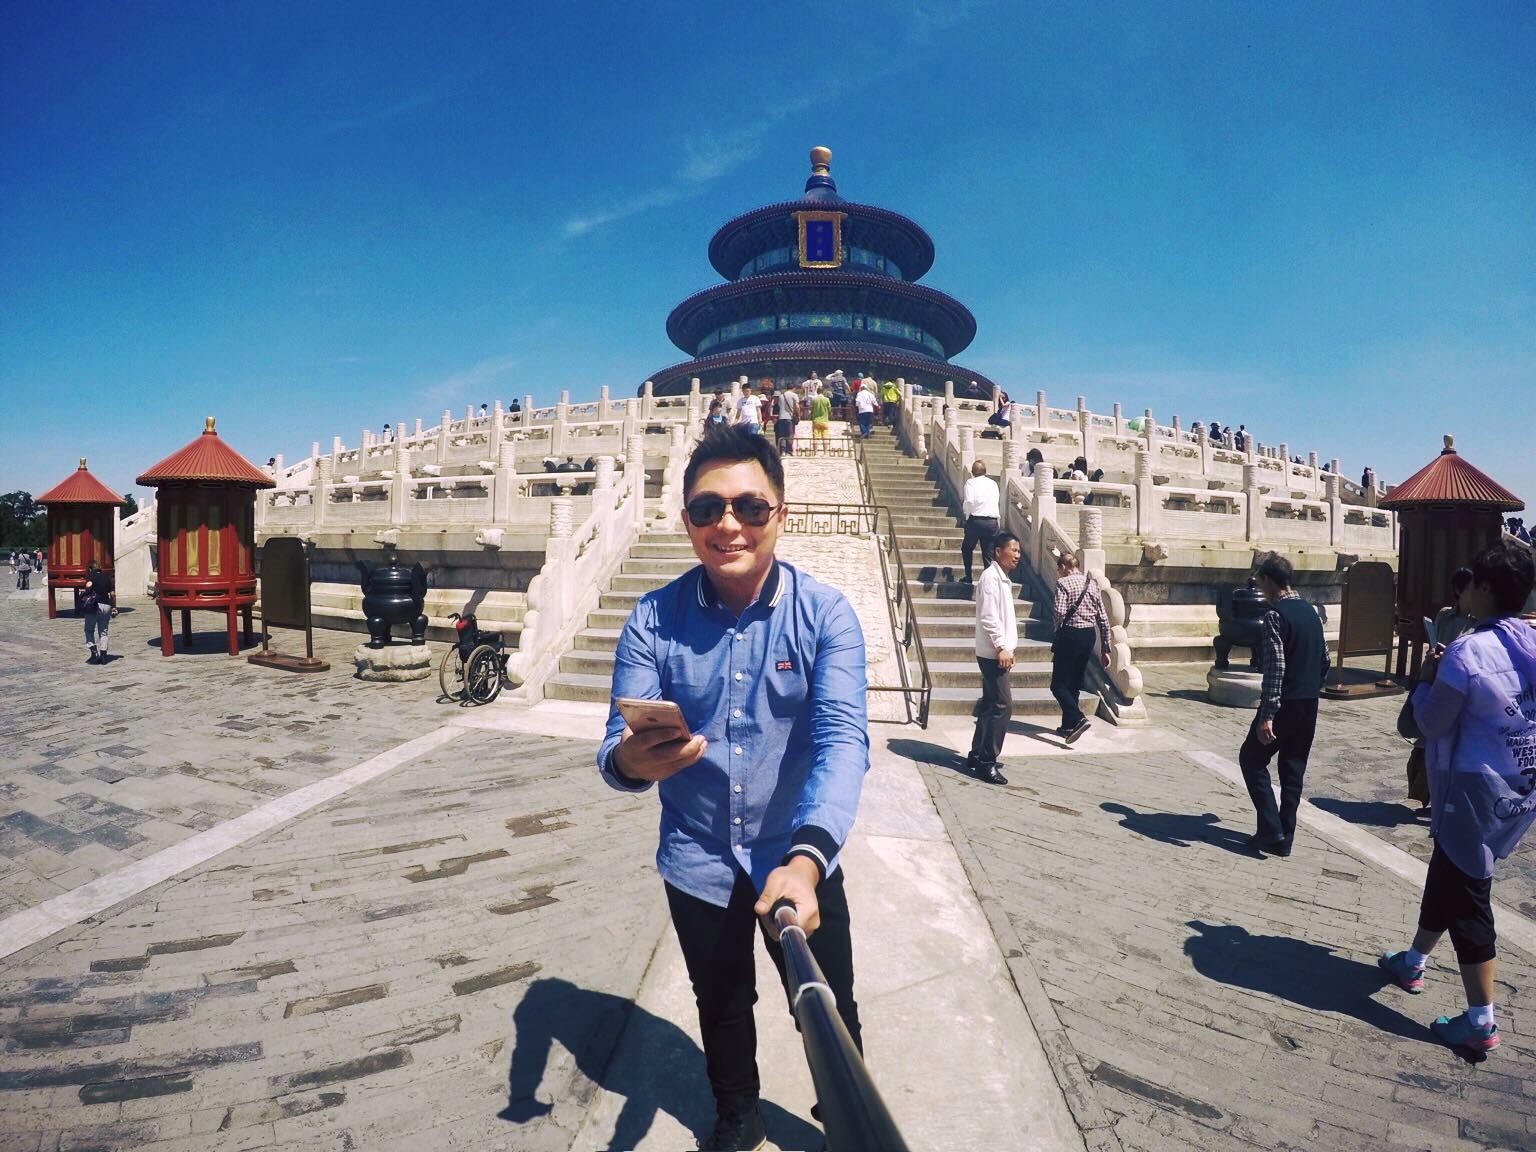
(1119, 421)
(400, 486)
(1041, 417)
(1203, 446)
(1010, 460)
(631, 426)
(949, 393)
(735, 395)
(1148, 504)
(604, 469)
(317, 489)
(647, 401)
(277, 465)
(695, 391)
(1331, 493)
(1085, 438)
(1090, 539)
(506, 482)
(1045, 510)
(603, 403)
(497, 430)
(634, 469)
(1370, 487)
(527, 417)
(1149, 431)
(314, 452)
(444, 436)
(1255, 525)
(967, 451)
(417, 432)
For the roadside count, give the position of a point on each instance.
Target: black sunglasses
(753, 511)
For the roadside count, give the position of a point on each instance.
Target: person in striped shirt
(1079, 618)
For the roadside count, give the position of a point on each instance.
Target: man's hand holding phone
(656, 744)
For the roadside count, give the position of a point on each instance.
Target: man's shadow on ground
(1373, 813)
(1180, 829)
(1309, 975)
(650, 1062)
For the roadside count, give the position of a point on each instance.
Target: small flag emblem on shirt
(785, 666)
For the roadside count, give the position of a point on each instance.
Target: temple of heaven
(815, 284)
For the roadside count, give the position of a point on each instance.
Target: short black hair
(1002, 540)
(1460, 579)
(1507, 571)
(733, 444)
(1277, 568)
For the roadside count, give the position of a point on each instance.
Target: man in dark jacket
(1295, 661)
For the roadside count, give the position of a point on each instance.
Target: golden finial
(821, 160)
(1448, 440)
(208, 426)
(82, 463)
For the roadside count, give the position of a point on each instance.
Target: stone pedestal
(393, 662)
(1234, 688)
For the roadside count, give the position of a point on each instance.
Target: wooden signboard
(285, 604)
(1365, 627)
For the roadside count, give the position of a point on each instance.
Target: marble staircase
(586, 669)
(930, 531)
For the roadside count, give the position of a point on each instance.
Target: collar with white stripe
(772, 590)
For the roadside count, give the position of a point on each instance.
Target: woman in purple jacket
(1478, 717)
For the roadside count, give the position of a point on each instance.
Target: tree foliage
(23, 523)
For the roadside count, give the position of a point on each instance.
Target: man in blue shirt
(767, 666)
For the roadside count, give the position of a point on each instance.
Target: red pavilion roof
(207, 459)
(80, 488)
(1449, 479)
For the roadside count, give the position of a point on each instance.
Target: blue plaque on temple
(821, 239)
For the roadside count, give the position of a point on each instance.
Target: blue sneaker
(1408, 978)
(1459, 1032)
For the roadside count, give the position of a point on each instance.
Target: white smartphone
(650, 715)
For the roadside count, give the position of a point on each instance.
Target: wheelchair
(473, 669)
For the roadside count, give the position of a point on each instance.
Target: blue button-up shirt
(779, 695)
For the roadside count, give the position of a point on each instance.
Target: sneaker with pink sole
(1459, 1032)
(1407, 977)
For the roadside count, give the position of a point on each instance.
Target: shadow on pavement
(935, 754)
(1181, 829)
(1309, 975)
(669, 1076)
(1375, 813)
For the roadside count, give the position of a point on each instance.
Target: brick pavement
(105, 765)
(1194, 996)
(358, 979)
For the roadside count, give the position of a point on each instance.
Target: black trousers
(717, 948)
(993, 713)
(1464, 904)
(978, 530)
(1295, 725)
(1070, 651)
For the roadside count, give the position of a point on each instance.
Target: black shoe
(1276, 847)
(1076, 734)
(988, 774)
(966, 579)
(94, 658)
(736, 1133)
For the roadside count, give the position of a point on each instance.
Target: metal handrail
(833, 519)
(899, 600)
(853, 1115)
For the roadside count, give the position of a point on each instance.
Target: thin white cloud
(711, 156)
(461, 385)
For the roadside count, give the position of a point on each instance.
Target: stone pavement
(470, 950)
(1194, 996)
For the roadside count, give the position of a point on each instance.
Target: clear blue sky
(1316, 220)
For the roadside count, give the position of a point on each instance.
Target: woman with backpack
(1478, 718)
(97, 605)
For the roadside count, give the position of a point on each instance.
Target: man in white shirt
(980, 507)
(997, 635)
(749, 410)
(865, 403)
